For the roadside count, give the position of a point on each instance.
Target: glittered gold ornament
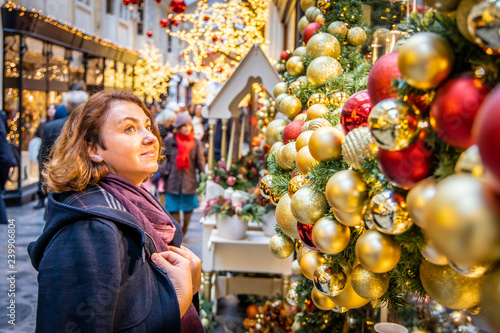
(329, 282)
(303, 22)
(338, 29)
(300, 51)
(296, 183)
(323, 5)
(281, 246)
(285, 157)
(329, 236)
(285, 219)
(458, 318)
(388, 213)
(304, 160)
(321, 19)
(380, 35)
(357, 146)
(280, 88)
(425, 60)
(346, 191)
(484, 23)
(394, 124)
(275, 147)
(418, 198)
(461, 223)
(316, 123)
(368, 284)
(323, 45)
(377, 252)
(321, 69)
(353, 219)
(303, 139)
(470, 162)
(317, 98)
(309, 262)
(348, 297)
(308, 206)
(316, 111)
(443, 5)
(301, 117)
(295, 66)
(296, 268)
(291, 296)
(290, 106)
(305, 4)
(474, 271)
(449, 288)
(312, 12)
(296, 86)
(265, 186)
(274, 130)
(321, 301)
(356, 36)
(301, 249)
(432, 254)
(490, 299)
(325, 144)
(339, 98)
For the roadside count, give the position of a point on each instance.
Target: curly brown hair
(69, 167)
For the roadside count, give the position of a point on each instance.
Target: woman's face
(131, 147)
(198, 110)
(51, 111)
(186, 129)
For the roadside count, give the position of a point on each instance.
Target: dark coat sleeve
(200, 157)
(5, 157)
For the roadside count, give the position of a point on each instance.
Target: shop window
(95, 71)
(110, 6)
(109, 73)
(129, 77)
(120, 75)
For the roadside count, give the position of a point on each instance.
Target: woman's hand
(195, 265)
(178, 270)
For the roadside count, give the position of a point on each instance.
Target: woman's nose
(150, 138)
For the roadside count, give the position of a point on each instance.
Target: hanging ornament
(274, 130)
(296, 183)
(325, 143)
(303, 139)
(357, 146)
(296, 268)
(304, 160)
(355, 111)
(329, 282)
(189, 72)
(295, 66)
(311, 13)
(368, 284)
(339, 98)
(306, 4)
(174, 22)
(406, 167)
(463, 10)
(380, 78)
(301, 249)
(356, 36)
(304, 231)
(321, 19)
(490, 298)
(301, 116)
(348, 297)
(149, 33)
(338, 29)
(353, 219)
(484, 22)
(321, 301)
(164, 23)
(431, 253)
(284, 217)
(388, 213)
(323, 45)
(280, 88)
(321, 69)
(292, 294)
(296, 86)
(309, 262)
(308, 206)
(274, 198)
(303, 22)
(265, 186)
(425, 60)
(178, 6)
(418, 198)
(292, 131)
(323, 5)
(443, 5)
(281, 246)
(285, 55)
(449, 288)
(318, 99)
(315, 123)
(126, 2)
(346, 191)
(275, 147)
(285, 156)
(317, 111)
(470, 162)
(377, 252)
(329, 236)
(300, 51)
(473, 236)
(290, 106)
(310, 30)
(474, 271)
(157, 1)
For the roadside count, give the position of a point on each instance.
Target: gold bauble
(325, 144)
(303, 22)
(338, 29)
(309, 262)
(368, 284)
(301, 117)
(380, 35)
(321, 19)
(265, 186)
(329, 282)
(490, 299)
(305, 4)
(274, 130)
(308, 206)
(301, 250)
(323, 5)
(346, 191)
(285, 219)
(317, 98)
(394, 124)
(280, 88)
(329, 236)
(316, 111)
(296, 268)
(443, 5)
(484, 23)
(377, 252)
(290, 106)
(432, 254)
(315, 123)
(295, 66)
(281, 246)
(311, 13)
(348, 298)
(339, 98)
(418, 198)
(304, 160)
(285, 157)
(425, 60)
(463, 10)
(274, 197)
(303, 140)
(300, 51)
(321, 69)
(296, 183)
(278, 100)
(296, 86)
(388, 213)
(357, 146)
(475, 271)
(458, 318)
(470, 162)
(321, 301)
(291, 296)
(323, 45)
(461, 223)
(476, 310)
(349, 219)
(449, 288)
(356, 36)
(275, 147)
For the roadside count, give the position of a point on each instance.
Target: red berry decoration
(285, 55)
(206, 18)
(455, 107)
(355, 111)
(292, 131)
(149, 33)
(380, 78)
(164, 23)
(305, 235)
(178, 6)
(310, 30)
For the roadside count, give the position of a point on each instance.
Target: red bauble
(285, 55)
(355, 111)
(189, 71)
(455, 107)
(135, 2)
(126, 2)
(487, 136)
(164, 23)
(404, 168)
(157, 1)
(292, 131)
(380, 78)
(178, 6)
(310, 30)
(214, 38)
(305, 235)
(174, 22)
(206, 18)
(149, 33)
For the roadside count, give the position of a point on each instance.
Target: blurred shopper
(62, 110)
(165, 120)
(198, 123)
(5, 165)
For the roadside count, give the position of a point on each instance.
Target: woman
(183, 163)
(110, 258)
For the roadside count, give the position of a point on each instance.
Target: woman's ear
(94, 153)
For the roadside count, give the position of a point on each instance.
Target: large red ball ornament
(164, 23)
(285, 55)
(305, 235)
(454, 109)
(149, 33)
(126, 2)
(310, 30)
(355, 111)
(292, 131)
(380, 78)
(404, 168)
(178, 6)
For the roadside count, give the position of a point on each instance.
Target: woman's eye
(130, 129)
(149, 128)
